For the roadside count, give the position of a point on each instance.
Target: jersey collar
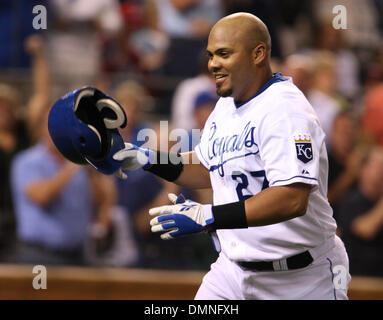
(277, 77)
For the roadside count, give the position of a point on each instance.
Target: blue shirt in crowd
(62, 224)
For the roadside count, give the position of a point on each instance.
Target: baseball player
(263, 153)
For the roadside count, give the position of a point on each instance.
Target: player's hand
(134, 158)
(184, 217)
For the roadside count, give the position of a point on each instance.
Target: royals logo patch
(304, 148)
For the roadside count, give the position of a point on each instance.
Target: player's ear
(259, 53)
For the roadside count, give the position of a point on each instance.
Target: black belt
(298, 261)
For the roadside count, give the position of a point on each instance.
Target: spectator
(203, 105)
(361, 218)
(73, 24)
(12, 140)
(347, 67)
(54, 205)
(143, 45)
(322, 95)
(16, 133)
(374, 73)
(373, 113)
(110, 240)
(299, 68)
(186, 23)
(41, 87)
(186, 18)
(186, 93)
(136, 101)
(362, 21)
(345, 157)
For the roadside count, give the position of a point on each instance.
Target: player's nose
(213, 65)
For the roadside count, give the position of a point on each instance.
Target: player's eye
(224, 54)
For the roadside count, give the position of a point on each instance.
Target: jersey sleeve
(291, 150)
(200, 155)
(201, 149)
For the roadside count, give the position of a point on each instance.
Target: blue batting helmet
(83, 125)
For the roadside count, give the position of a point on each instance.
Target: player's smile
(220, 79)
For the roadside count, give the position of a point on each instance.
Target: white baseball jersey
(273, 139)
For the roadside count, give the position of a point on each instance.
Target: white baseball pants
(326, 278)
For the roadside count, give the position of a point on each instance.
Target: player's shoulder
(286, 100)
(286, 91)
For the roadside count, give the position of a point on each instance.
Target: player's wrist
(150, 157)
(229, 216)
(208, 216)
(166, 165)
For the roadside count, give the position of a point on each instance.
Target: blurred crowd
(150, 56)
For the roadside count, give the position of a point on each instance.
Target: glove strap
(230, 216)
(166, 165)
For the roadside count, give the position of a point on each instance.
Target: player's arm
(277, 204)
(194, 175)
(272, 205)
(182, 169)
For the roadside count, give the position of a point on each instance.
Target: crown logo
(302, 139)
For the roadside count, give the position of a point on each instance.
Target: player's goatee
(224, 94)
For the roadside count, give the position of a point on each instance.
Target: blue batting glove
(181, 218)
(213, 234)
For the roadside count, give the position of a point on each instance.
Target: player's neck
(261, 77)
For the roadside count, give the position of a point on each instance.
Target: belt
(298, 261)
